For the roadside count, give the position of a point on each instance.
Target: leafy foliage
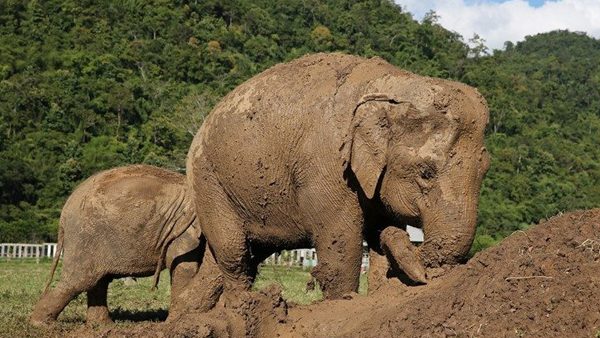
(544, 132)
(86, 86)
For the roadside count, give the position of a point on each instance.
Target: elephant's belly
(269, 209)
(276, 237)
(132, 268)
(137, 262)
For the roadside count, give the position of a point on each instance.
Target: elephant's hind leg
(232, 254)
(224, 231)
(97, 311)
(183, 270)
(53, 302)
(201, 293)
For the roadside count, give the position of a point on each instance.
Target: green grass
(293, 281)
(22, 281)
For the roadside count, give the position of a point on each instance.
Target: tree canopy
(89, 85)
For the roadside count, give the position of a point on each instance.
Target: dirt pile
(540, 282)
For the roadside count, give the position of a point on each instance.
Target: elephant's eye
(427, 173)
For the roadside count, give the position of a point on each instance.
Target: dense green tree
(86, 86)
(544, 131)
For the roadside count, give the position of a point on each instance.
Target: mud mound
(542, 282)
(250, 314)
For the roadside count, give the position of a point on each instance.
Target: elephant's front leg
(339, 250)
(97, 311)
(378, 270)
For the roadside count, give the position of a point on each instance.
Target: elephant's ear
(370, 133)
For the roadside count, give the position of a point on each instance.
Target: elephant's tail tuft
(59, 249)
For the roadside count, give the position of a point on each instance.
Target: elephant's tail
(59, 249)
(159, 267)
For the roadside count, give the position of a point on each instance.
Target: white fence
(19, 250)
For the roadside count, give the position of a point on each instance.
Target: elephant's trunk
(449, 226)
(449, 242)
(402, 255)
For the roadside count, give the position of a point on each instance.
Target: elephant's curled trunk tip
(396, 244)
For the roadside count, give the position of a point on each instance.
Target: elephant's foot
(41, 320)
(396, 244)
(251, 313)
(336, 283)
(47, 309)
(98, 315)
(201, 293)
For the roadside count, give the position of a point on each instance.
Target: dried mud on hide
(541, 282)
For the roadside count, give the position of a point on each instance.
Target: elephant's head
(420, 154)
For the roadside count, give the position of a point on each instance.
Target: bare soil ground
(540, 282)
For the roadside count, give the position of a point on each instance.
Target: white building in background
(416, 235)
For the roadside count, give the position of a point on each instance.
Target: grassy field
(22, 281)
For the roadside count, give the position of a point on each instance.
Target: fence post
(1, 250)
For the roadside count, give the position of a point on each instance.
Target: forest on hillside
(89, 85)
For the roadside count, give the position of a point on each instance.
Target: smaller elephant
(128, 221)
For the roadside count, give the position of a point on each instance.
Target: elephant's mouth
(412, 221)
(401, 221)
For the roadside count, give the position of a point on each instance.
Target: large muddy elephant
(328, 149)
(129, 221)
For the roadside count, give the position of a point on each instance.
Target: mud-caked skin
(324, 150)
(128, 221)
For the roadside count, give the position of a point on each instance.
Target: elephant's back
(287, 106)
(122, 204)
(322, 86)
